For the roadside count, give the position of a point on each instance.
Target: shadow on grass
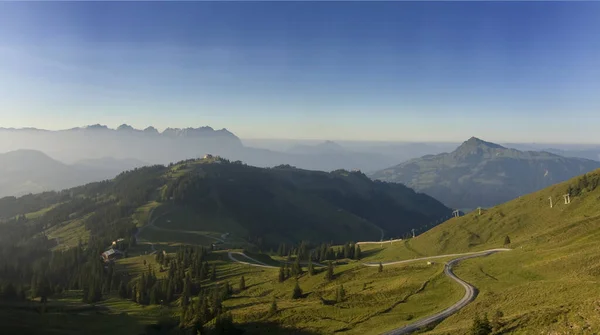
(370, 252)
(271, 328)
(30, 321)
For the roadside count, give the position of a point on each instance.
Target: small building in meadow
(111, 254)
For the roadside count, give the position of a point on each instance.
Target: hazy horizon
(388, 71)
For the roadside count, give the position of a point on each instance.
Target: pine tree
(507, 240)
(213, 274)
(311, 268)
(154, 295)
(242, 283)
(297, 292)
(186, 293)
(217, 305)
(281, 274)
(287, 272)
(357, 252)
(341, 294)
(122, 290)
(273, 308)
(329, 274)
(296, 268)
(380, 269)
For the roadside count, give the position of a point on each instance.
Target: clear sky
(503, 71)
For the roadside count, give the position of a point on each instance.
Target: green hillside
(268, 206)
(549, 282)
(483, 174)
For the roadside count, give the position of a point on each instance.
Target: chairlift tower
(550, 198)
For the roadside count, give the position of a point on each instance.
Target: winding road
(470, 290)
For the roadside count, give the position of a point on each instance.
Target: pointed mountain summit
(475, 142)
(483, 174)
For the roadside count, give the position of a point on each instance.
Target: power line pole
(550, 201)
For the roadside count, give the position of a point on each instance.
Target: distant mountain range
(174, 144)
(483, 174)
(30, 171)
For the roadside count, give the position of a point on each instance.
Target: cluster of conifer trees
(322, 253)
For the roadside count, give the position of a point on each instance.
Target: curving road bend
(466, 299)
(469, 296)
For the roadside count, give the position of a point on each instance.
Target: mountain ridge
(483, 174)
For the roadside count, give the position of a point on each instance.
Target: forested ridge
(300, 213)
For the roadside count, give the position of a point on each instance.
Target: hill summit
(483, 174)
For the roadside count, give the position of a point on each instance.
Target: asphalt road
(470, 293)
(470, 290)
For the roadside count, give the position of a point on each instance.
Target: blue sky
(504, 71)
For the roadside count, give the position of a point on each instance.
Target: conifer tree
(296, 268)
(341, 294)
(311, 268)
(213, 274)
(380, 269)
(242, 283)
(329, 274)
(507, 240)
(281, 274)
(273, 308)
(297, 292)
(122, 290)
(357, 252)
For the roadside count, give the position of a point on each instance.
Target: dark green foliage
(259, 200)
(586, 183)
(242, 283)
(281, 276)
(213, 274)
(296, 268)
(481, 326)
(507, 240)
(123, 290)
(340, 294)
(297, 292)
(8, 292)
(380, 268)
(224, 324)
(329, 274)
(273, 308)
(311, 267)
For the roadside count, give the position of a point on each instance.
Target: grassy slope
(375, 302)
(549, 282)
